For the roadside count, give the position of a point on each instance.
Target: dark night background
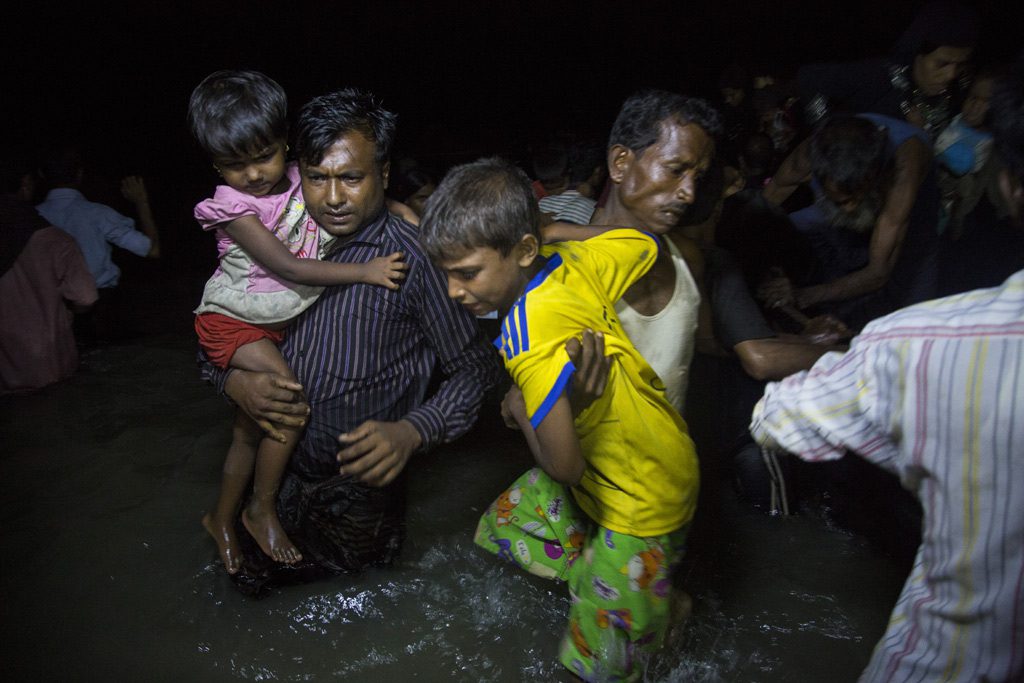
(466, 78)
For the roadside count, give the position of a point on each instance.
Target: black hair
(638, 124)
(1007, 109)
(237, 113)
(62, 165)
(848, 151)
(13, 169)
(326, 118)
(938, 23)
(584, 157)
(404, 184)
(550, 162)
(486, 203)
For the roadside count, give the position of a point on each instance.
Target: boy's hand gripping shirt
(641, 476)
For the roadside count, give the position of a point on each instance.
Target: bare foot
(262, 522)
(227, 544)
(680, 608)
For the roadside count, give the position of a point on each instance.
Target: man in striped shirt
(363, 356)
(935, 393)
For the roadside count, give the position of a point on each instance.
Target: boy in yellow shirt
(608, 509)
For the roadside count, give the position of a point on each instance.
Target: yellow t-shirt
(641, 476)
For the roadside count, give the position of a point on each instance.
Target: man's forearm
(148, 226)
(774, 358)
(864, 281)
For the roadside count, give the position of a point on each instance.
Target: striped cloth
(363, 352)
(569, 207)
(934, 393)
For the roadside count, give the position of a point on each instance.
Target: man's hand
(134, 190)
(592, 365)
(776, 292)
(269, 399)
(513, 408)
(377, 452)
(824, 329)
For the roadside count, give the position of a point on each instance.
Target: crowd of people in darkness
(810, 267)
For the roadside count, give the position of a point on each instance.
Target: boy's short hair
(848, 151)
(486, 203)
(326, 118)
(236, 113)
(638, 124)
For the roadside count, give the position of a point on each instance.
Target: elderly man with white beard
(872, 225)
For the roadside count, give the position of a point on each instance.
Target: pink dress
(240, 287)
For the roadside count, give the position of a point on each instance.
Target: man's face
(418, 201)
(855, 210)
(346, 189)
(657, 185)
(483, 280)
(933, 72)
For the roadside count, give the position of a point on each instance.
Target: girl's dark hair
(235, 113)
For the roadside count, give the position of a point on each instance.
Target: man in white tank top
(660, 145)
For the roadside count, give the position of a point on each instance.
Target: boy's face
(483, 280)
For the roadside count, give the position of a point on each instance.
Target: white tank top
(666, 339)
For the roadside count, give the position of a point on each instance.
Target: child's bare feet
(227, 544)
(261, 521)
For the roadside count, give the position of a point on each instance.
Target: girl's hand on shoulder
(386, 271)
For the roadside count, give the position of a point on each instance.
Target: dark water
(107, 574)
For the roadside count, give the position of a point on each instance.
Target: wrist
(413, 434)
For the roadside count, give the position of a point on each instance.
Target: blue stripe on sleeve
(553, 395)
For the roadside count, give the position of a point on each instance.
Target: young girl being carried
(270, 271)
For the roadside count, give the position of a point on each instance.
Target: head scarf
(938, 23)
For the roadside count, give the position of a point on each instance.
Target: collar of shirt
(64, 193)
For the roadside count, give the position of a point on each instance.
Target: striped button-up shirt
(364, 352)
(934, 393)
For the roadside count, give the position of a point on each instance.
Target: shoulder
(400, 235)
(226, 204)
(689, 250)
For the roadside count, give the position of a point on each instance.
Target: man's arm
(269, 399)
(470, 364)
(134, 190)
(841, 404)
(794, 171)
(376, 451)
(911, 166)
(773, 358)
(573, 232)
